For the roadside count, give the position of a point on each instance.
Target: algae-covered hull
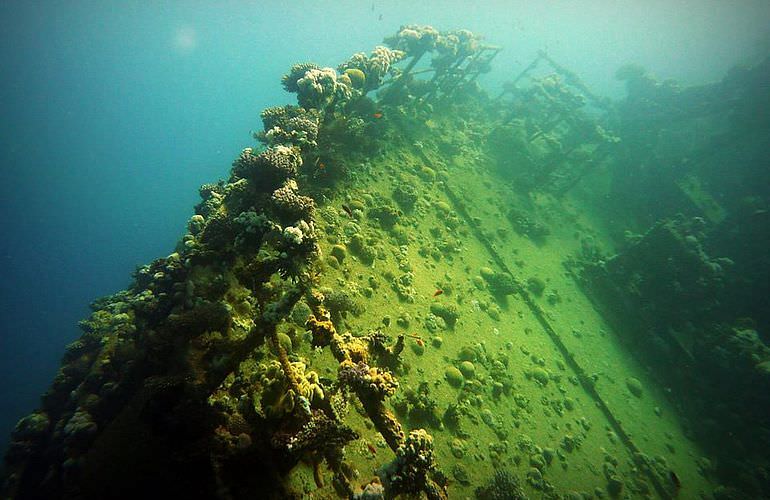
(405, 290)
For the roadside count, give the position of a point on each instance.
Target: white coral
(319, 88)
(293, 235)
(382, 58)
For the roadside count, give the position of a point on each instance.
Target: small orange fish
(438, 292)
(377, 115)
(322, 165)
(419, 342)
(372, 449)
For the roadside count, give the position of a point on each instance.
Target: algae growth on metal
(408, 287)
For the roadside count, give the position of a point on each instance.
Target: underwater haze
(114, 113)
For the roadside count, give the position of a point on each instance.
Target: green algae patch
(468, 370)
(454, 376)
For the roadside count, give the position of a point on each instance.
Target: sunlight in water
(185, 39)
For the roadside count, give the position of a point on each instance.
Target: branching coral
(452, 49)
(318, 434)
(414, 39)
(356, 348)
(458, 43)
(370, 382)
(251, 227)
(387, 355)
(296, 248)
(299, 235)
(288, 249)
(269, 169)
(410, 471)
(283, 388)
(212, 196)
(382, 59)
(291, 205)
(360, 377)
(372, 69)
(289, 125)
(296, 72)
(322, 330)
(320, 89)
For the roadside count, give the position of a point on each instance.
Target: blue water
(113, 113)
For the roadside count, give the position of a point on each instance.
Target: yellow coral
(357, 77)
(322, 329)
(281, 390)
(357, 348)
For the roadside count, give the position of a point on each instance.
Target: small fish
(675, 480)
(347, 210)
(321, 166)
(438, 292)
(377, 115)
(419, 342)
(371, 447)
